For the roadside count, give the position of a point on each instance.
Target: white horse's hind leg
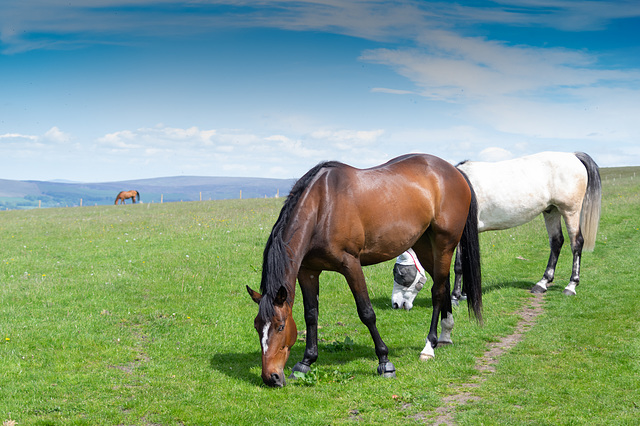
(552, 221)
(447, 327)
(573, 228)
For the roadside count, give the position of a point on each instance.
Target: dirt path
(486, 364)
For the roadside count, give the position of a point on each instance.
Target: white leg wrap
(447, 327)
(428, 352)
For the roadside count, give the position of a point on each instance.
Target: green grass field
(138, 315)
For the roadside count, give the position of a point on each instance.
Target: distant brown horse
(125, 195)
(339, 218)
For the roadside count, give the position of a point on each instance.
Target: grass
(138, 315)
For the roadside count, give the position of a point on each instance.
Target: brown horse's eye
(281, 328)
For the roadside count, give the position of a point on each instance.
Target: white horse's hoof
(570, 290)
(538, 289)
(426, 357)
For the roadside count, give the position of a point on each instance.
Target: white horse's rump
(513, 192)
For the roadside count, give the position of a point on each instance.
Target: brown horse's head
(277, 332)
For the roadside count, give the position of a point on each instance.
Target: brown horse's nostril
(276, 380)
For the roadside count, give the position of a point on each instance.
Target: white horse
(513, 192)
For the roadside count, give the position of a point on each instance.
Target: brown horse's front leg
(309, 284)
(352, 271)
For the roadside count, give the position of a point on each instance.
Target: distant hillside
(31, 194)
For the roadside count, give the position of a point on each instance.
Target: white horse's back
(513, 192)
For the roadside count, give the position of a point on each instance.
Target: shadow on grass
(423, 300)
(237, 365)
(240, 366)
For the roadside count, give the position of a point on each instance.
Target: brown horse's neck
(297, 237)
(289, 241)
(299, 234)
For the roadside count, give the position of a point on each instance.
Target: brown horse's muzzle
(274, 380)
(273, 363)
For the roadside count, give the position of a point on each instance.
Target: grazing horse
(125, 195)
(513, 192)
(339, 218)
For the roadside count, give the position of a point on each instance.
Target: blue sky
(112, 90)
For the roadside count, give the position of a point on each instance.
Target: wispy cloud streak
(54, 24)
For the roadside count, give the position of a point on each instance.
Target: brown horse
(339, 218)
(125, 195)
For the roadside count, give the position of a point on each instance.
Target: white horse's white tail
(590, 213)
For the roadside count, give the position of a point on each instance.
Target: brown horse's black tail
(138, 196)
(470, 249)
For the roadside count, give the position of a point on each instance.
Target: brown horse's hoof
(387, 369)
(300, 368)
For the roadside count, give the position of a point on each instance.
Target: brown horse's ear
(281, 297)
(254, 295)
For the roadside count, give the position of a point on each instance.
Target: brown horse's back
(375, 214)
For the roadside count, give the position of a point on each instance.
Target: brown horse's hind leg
(352, 271)
(438, 256)
(309, 284)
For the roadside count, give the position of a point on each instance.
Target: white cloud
(528, 97)
(495, 154)
(17, 136)
(162, 138)
(56, 135)
(450, 67)
(73, 23)
(294, 147)
(392, 91)
(237, 151)
(51, 137)
(348, 139)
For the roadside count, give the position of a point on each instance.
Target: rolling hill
(33, 194)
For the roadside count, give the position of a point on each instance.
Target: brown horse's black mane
(276, 256)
